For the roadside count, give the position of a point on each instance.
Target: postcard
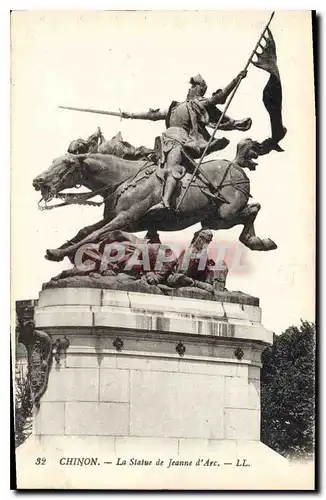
(163, 249)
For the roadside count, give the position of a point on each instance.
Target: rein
(83, 198)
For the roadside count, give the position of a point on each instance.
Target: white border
(5, 152)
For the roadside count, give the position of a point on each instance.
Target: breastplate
(180, 117)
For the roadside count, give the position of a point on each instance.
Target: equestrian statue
(165, 188)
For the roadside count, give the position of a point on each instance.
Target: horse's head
(65, 172)
(246, 151)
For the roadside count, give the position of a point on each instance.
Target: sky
(141, 60)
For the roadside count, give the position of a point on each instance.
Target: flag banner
(272, 93)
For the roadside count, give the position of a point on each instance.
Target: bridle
(70, 198)
(83, 198)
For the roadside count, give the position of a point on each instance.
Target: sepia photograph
(163, 178)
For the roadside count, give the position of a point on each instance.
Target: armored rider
(186, 131)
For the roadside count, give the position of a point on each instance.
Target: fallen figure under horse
(122, 261)
(96, 143)
(130, 188)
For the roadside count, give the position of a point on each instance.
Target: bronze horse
(130, 188)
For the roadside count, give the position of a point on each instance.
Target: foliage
(287, 392)
(23, 408)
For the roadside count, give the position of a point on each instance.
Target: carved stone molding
(60, 349)
(238, 352)
(180, 348)
(39, 358)
(118, 344)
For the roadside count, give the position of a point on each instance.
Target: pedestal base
(151, 379)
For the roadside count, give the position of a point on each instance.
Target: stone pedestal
(151, 376)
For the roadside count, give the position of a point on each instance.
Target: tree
(288, 392)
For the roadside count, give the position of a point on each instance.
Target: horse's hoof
(259, 244)
(265, 245)
(54, 255)
(270, 244)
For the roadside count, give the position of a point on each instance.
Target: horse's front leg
(55, 254)
(121, 221)
(83, 233)
(107, 216)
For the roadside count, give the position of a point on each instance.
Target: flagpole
(225, 110)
